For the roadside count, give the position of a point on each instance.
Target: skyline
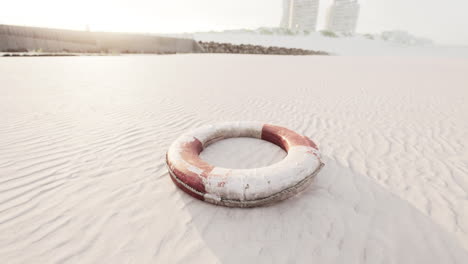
(442, 21)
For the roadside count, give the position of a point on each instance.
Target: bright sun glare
(442, 21)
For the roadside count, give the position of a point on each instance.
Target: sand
(83, 178)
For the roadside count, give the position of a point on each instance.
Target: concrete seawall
(23, 39)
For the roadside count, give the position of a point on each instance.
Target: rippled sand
(83, 178)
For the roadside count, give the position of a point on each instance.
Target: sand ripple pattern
(83, 179)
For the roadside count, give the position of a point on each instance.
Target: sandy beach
(83, 176)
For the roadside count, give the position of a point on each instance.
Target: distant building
(342, 16)
(300, 14)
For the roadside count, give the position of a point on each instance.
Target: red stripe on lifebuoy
(284, 137)
(189, 153)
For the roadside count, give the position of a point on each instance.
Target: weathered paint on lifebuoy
(243, 187)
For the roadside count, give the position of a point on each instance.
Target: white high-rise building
(300, 14)
(342, 16)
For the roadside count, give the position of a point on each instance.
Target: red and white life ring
(243, 187)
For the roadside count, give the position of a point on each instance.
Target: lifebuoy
(243, 187)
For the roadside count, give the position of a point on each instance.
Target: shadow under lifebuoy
(342, 217)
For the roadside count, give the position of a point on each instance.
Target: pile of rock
(215, 47)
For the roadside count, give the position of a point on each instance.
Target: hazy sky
(445, 21)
